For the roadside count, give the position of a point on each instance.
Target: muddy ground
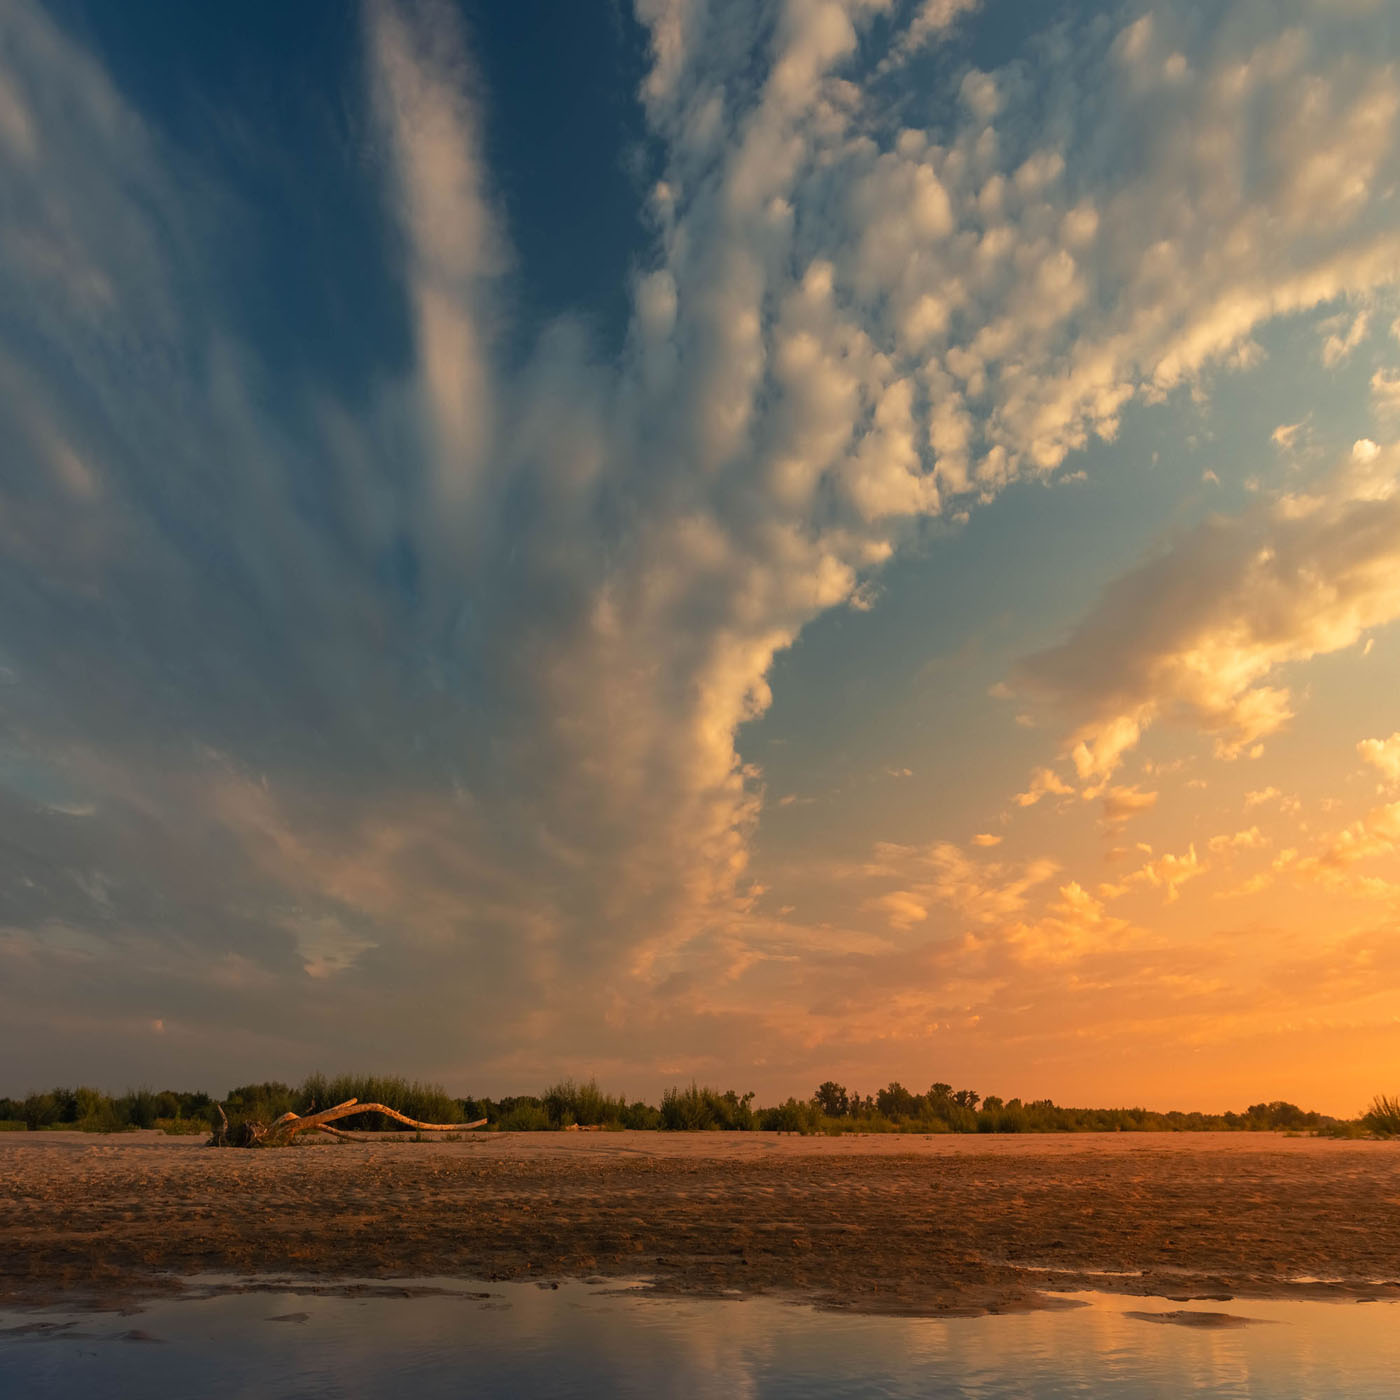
(905, 1224)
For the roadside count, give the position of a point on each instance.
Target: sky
(755, 542)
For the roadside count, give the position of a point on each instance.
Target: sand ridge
(882, 1223)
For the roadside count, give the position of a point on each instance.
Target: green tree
(39, 1110)
(140, 1108)
(832, 1099)
(790, 1117)
(894, 1101)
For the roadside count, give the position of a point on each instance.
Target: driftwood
(285, 1128)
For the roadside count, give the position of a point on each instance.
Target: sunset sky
(842, 539)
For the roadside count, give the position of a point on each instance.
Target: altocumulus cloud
(406, 721)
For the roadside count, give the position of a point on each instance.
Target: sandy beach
(885, 1224)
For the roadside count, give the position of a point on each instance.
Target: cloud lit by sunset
(760, 543)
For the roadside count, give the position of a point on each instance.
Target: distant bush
(586, 1105)
(428, 1103)
(1341, 1129)
(794, 1116)
(1383, 1116)
(139, 1109)
(697, 1110)
(641, 1115)
(39, 1111)
(182, 1127)
(259, 1103)
(944, 1109)
(105, 1117)
(1277, 1116)
(831, 1109)
(91, 1111)
(524, 1117)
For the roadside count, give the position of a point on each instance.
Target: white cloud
(1044, 782)
(1382, 754)
(1339, 862)
(1342, 338)
(421, 77)
(513, 764)
(1385, 393)
(1121, 804)
(1073, 927)
(901, 908)
(934, 17)
(1250, 839)
(1168, 872)
(981, 892)
(1375, 834)
(1201, 632)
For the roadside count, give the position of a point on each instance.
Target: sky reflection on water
(522, 1340)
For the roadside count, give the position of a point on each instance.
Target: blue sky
(831, 538)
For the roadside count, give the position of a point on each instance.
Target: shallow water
(580, 1340)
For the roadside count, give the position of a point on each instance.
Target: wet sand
(879, 1224)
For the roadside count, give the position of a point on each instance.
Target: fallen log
(280, 1132)
(388, 1133)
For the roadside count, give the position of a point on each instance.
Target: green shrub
(39, 1111)
(874, 1123)
(139, 1108)
(1341, 1130)
(524, 1117)
(794, 1116)
(697, 1110)
(832, 1109)
(1383, 1116)
(428, 1103)
(104, 1117)
(640, 1115)
(258, 1103)
(567, 1103)
(182, 1127)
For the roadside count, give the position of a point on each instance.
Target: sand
(880, 1224)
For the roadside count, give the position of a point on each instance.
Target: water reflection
(446, 1339)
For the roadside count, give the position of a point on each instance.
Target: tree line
(831, 1108)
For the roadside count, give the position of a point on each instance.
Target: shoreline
(1068, 1298)
(918, 1226)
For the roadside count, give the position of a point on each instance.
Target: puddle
(439, 1337)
